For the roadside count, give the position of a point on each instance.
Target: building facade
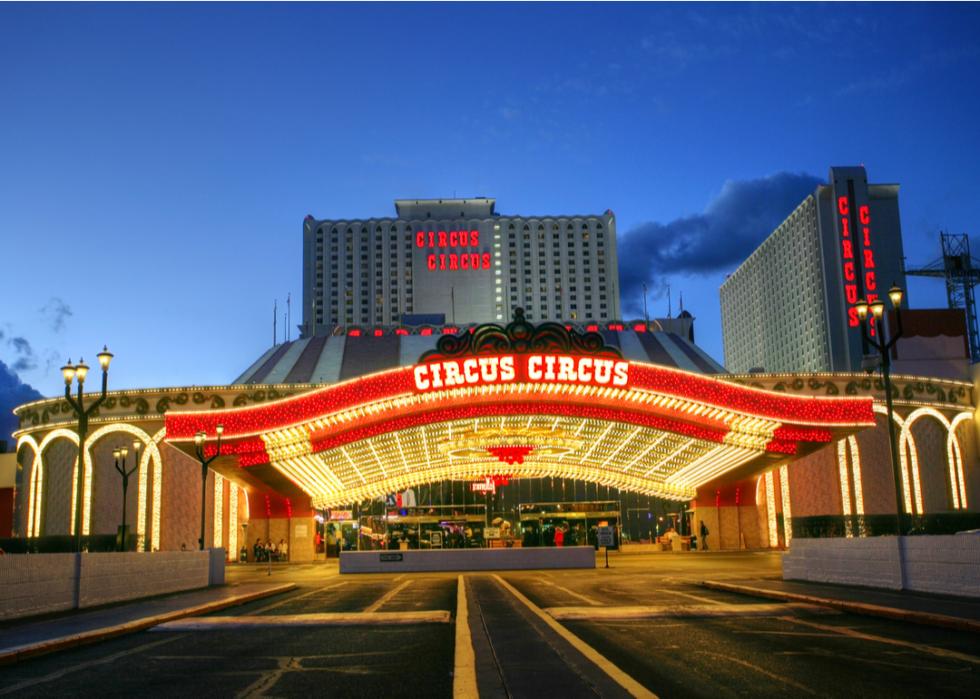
(791, 305)
(459, 261)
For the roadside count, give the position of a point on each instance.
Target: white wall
(42, 583)
(947, 565)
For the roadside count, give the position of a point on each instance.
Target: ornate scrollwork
(520, 337)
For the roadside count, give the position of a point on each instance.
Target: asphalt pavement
(644, 627)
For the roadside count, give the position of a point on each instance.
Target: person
(283, 550)
(704, 536)
(183, 546)
(257, 550)
(268, 549)
(560, 536)
(549, 536)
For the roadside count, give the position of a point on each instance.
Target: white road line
(280, 603)
(464, 663)
(387, 597)
(584, 598)
(58, 674)
(921, 647)
(621, 678)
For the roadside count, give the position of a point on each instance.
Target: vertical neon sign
(858, 260)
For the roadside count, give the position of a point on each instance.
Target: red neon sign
(508, 368)
(852, 259)
(456, 261)
(452, 239)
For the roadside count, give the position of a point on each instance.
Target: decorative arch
(957, 479)
(849, 467)
(911, 463)
(150, 451)
(29, 441)
(34, 527)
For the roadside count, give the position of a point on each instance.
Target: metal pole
(204, 497)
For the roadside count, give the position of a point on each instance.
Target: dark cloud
(13, 392)
(26, 359)
(728, 230)
(56, 312)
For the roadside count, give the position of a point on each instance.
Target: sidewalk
(27, 638)
(962, 613)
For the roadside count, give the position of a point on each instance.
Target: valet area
(492, 436)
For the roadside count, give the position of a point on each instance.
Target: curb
(923, 618)
(18, 653)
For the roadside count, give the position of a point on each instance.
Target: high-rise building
(791, 305)
(457, 261)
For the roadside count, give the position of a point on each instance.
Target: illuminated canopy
(523, 401)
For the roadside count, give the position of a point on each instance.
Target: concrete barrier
(948, 565)
(467, 559)
(32, 584)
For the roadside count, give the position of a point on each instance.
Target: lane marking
(385, 598)
(681, 612)
(761, 670)
(600, 661)
(584, 598)
(322, 619)
(464, 664)
(282, 603)
(921, 647)
(58, 674)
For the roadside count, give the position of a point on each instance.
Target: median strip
(915, 617)
(693, 611)
(218, 623)
(27, 650)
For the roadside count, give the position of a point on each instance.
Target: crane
(962, 273)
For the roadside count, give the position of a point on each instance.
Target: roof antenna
(682, 302)
(669, 310)
(275, 316)
(289, 315)
(646, 316)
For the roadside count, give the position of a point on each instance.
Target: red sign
(452, 261)
(854, 259)
(534, 368)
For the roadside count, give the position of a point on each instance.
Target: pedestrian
(283, 550)
(704, 536)
(559, 536)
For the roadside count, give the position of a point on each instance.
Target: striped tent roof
(333, 358)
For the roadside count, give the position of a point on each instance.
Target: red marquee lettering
(848, 249)
(464, 261)
(845, 227)
(453, 261)
(851, 292)
(486, 260)
(852, 317)
(453, 239)
(869, 258)
(842, 206)
(867, 236)
(442, 261)
(870, 284)
(864, 215)
(474, 239)
(442, 239)
(849, 271)
(431, 262)
(420, 239)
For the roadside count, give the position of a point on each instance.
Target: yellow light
(104, 357)
(862, 308)
(877, 308)
(895, 294)
(81, 371)
(68, 371)
(787, 512)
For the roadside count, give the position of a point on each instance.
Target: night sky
(156, 161)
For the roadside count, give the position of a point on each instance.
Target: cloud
(26, 360)
(13, 392)
(729, 229)
(56, 312)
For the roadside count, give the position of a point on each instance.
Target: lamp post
(118, 454)
(199, 440)
(877, 308)
(79, 372)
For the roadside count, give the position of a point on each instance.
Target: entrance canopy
(521, 402)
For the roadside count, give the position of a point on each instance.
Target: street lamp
(199, 439)
(118, 454)
(78, 372)
(877, 309)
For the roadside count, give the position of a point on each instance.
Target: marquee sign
(532, 368)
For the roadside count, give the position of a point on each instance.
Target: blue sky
(156, 161)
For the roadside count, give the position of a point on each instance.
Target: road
(643, 625)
